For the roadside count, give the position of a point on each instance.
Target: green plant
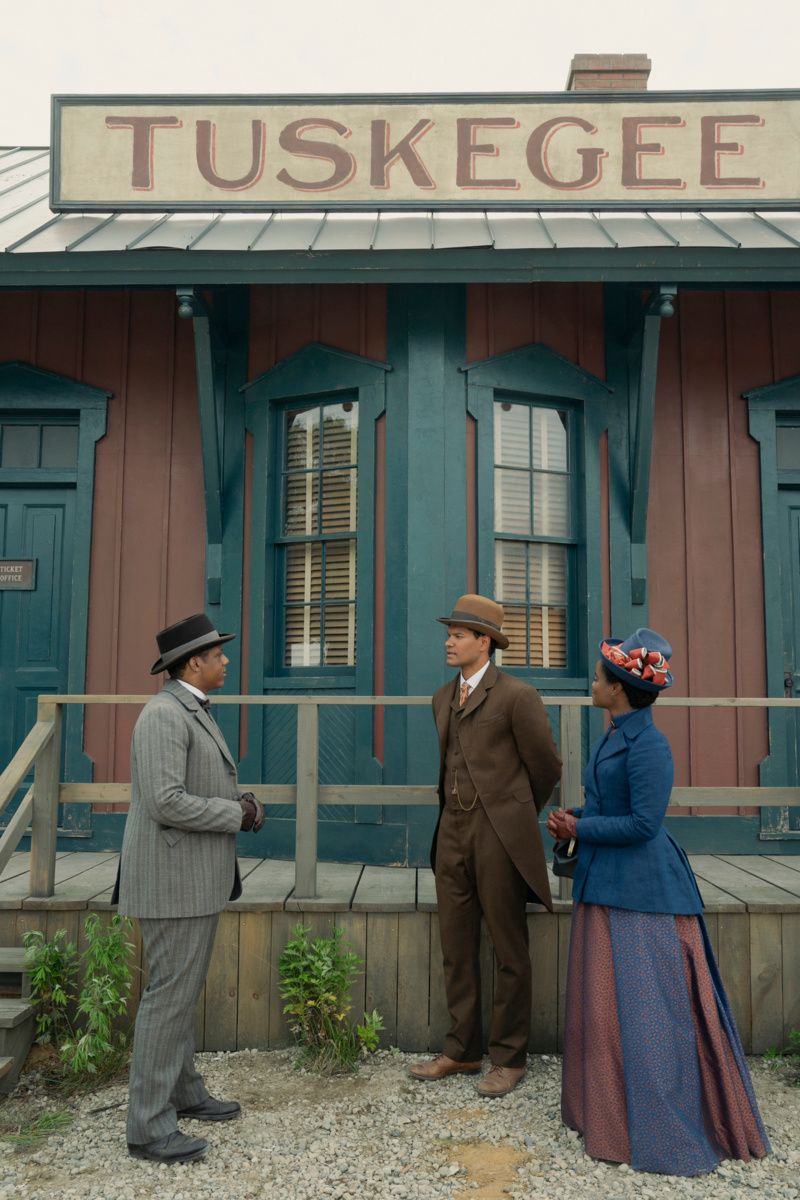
(773, 1057)
(104, 996)
(81, 1026)
(51, 967)
(786, 1060)
(316, 975)
(32, 1133)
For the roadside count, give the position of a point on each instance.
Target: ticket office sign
(215, 153)
(17, 574)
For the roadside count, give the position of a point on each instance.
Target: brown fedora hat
(192, 634)
(481, 614)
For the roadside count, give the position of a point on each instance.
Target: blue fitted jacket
(626, 858)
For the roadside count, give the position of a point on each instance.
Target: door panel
(35, 523)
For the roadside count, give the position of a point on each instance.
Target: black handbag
(565, 857)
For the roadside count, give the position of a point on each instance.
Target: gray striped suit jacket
(179, 849)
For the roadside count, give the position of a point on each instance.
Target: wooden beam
(571, 792)
(17, 826)
(307, 801)
(23, 760)
(44, 823)
(741, 797)
(410, 794)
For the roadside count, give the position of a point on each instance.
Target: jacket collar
(192, 704)
(476, 698)
(634, 723)
(187, 698)
(626, 732)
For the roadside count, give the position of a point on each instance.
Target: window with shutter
(533, 534)
(319, 531)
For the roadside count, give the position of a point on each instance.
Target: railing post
(305, 858)
(44, 821)
(571, 773)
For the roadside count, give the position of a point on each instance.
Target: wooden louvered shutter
(532, 494)
(320, 498)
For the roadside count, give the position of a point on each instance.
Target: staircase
(17, 1023)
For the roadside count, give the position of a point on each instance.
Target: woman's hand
(562, 824)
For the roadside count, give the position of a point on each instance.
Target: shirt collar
(475, 679)
(191, 688)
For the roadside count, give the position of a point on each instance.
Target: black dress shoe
(212, 1109)
(175, 1147)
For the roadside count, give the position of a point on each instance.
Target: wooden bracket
(191, 305)
(661, 304)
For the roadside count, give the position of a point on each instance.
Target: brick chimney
(608, 72)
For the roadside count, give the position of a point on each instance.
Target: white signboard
(430, 152)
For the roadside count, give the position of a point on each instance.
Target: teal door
(788, 819)
(35, 523)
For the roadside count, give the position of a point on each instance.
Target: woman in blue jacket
(654, 1074)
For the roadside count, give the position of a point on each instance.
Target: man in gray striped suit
(178, 870)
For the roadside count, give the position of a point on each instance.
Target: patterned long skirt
(654, 1072)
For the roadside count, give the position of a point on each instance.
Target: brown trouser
(475, 875)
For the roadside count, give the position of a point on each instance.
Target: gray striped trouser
(163, 1077)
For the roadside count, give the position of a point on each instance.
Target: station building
(320, 365)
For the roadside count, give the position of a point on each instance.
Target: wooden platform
(389, 917)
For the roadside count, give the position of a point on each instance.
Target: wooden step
(14, 980)
(17, 1030)
(14, 1012)
(12, 960)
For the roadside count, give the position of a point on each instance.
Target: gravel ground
(376, 1135)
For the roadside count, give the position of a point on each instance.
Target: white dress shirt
(475, 679)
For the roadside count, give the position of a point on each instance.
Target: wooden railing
(41, 751)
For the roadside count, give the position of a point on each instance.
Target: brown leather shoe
(499, 1081)
(440, 1067)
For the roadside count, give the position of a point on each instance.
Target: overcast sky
(266, 46)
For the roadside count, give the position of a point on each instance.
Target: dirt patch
(466, 1114)
(40, 1058)
(492, 1168)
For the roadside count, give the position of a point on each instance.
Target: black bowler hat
(192, 634)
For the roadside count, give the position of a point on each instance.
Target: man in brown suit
(498, 765)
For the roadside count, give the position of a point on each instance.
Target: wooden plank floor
(728, 883)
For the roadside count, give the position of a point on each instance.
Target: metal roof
(27, 226)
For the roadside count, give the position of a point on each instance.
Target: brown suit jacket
(508, 747)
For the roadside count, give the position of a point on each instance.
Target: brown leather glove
(253, 816)
(561, 824)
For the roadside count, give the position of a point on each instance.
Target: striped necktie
(462, 695)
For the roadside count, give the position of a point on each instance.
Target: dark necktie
(204, 704)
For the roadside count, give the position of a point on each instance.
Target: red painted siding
(706, 575)
(147, 538)
(285, 318)
(567, 317)
(705, 562)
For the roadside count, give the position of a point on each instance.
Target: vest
(456, 772)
